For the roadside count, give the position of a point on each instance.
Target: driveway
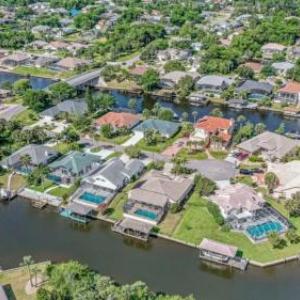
(172, 150)
(134, 139)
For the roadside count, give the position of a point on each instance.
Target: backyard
(197, 223)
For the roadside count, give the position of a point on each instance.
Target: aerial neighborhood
(166, 119)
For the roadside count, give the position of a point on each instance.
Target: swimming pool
(146, 214)
(262, 230)
(92, 198)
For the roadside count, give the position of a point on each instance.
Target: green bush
(175, 208)
(215, 212)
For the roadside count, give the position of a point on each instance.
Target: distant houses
(213, 84)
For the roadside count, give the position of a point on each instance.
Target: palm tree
(43, 172)
(271, 180)
(28, 262)
(26, 161)
(195, 115)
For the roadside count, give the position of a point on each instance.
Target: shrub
(276, 241)
(175, 208)
(215, 212)
(292, 236)
(256, 158)
(204, 186)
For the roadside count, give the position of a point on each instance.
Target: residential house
(72, 166)
(270, 145)
(15, 59)
(219, 171)
(118, 120)
(214, 131)
(71, 63)
(149, 200)
(289, 178)
(238, 203)
(289, 93)
(166, 129)
(57, 45)
(72, 107)
(115, 174)
(282, 68)
(39, 154)
(173, 54)
(213, 84)
(44, 61)
(170, 80)
(268, 50)
(255, 89)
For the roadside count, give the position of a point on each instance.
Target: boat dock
(39, 199)
(222, 254)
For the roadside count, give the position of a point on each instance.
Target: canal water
(272, 120)
(36, 82)
(163, 265)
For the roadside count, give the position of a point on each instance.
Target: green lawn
(96, 149)
(18, 181)
(40, 72)
(116, 206)
(27, 117)
(197, 223)
(15, 281)
(184, 153)
(114, 154)
(41, 188)
(219, 154)
(159, 147)
(63, 147)
(119, 139)
(169, 223)
(61, 191)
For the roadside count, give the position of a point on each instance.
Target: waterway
(271, 119)
(36, 82)
(163, 265)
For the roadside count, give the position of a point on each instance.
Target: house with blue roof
(73, 166)
(166, 129)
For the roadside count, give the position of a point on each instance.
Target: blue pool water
(146, 214)
(92, 198)
(262, 230)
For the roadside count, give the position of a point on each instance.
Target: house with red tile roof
(289, 94)
(118, 120)
(215, 130)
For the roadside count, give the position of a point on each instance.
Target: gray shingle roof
(255, 86)
(39, 154)
(275, 144)
(214, 80)
(73, 107)
(165, 128)
(75, 162)
(216, 170)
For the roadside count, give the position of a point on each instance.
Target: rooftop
(219, 248)
(118, 119)
(290, 87)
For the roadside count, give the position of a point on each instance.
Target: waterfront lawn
(198, 155)
(160, 146)
(62, 191)
(43, 187)
(18, 181)
(197, 223)
(15, 281)
(115, 209)
(169, 223)
(219, 154)
(39, 72)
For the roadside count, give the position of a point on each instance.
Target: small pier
(132, 228)
(223, 254)
(38, 203)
